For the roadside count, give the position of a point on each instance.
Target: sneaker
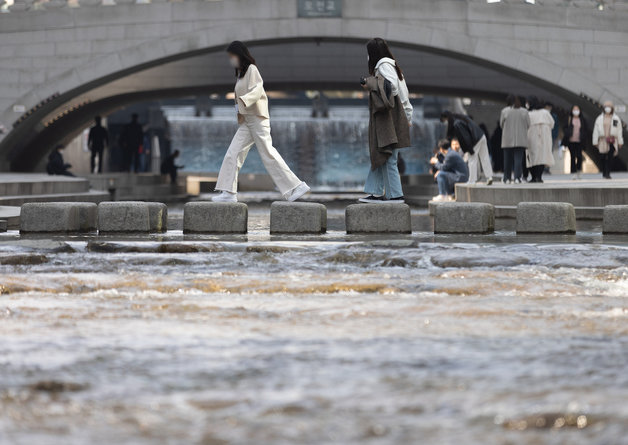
(517, 181)
(440, 198)
(298, 192)
(225, 197)
(489, 181)
(372, 199)
(399, 200)
(506, 181)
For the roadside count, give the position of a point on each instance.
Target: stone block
(123, 217)
(215, 217)
(464, 217)
(298, 217)
(42, 217)
(4, 225)
(615, 219)
(546, 217)
(378, 218)
(158, 214)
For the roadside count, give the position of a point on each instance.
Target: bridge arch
(92, 78)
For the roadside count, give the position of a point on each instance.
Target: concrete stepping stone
(546, 217)
(378, 218)
(123, 217)
(464, 217)
(298, 217)
(215, 217)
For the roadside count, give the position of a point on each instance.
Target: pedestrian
(97, 141)
(472, 141)
(390, 117)
(575, 134)
(131, 141)
(514, 121)
(254, 128)
(449, 172)
(497, 154)
(539, 152)
(608, 136)
(168, 166)
(56, 164)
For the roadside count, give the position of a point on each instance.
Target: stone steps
(16, 184)
(89, 196)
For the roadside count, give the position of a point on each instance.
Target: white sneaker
(450, 198)
(489, 181)
(298, 192)
(225, 197)
(440, 198)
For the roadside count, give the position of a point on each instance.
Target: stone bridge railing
(34, 5)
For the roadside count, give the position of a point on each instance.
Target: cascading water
(328, 153)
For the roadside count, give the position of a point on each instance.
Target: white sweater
(386, 68)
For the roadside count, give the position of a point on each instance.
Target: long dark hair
(240, 50)
(377, 49)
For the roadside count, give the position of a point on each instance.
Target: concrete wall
(84, 54)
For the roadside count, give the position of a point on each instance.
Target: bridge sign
(319, 8)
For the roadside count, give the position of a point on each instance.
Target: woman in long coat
(540, 142)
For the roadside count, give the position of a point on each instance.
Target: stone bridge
(62, 62)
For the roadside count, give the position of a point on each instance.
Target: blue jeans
(446, 183)
(385, 180)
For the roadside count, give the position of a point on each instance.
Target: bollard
(298, 217)
(62, 217)
(215, 217)
(158, 216)
(464, 217)
(615, 219)
(123, 217)
(546, 217)
(378, 218)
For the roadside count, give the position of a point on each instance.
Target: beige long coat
(540, 142)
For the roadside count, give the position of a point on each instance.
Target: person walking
(472, 141)
(254, 128)
(169, 166)
(539, 152)
(97, 141)
(390, 114)
(575, 135)
(131, 140)
(450, 171)
(514, 121)
(608, 136)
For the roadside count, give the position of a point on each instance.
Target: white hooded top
(386, 68)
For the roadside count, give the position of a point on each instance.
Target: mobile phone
(362, 81)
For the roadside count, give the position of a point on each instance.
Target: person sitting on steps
(451, 171)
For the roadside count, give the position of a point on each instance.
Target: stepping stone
(378, 218)
(123, 217)
(215, 217)
(298, 217)
(61, 217)
(464, 217)
(615, 219)
(546, 217)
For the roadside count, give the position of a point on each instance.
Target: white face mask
(607, 110)
(576, 113)
(234, 62)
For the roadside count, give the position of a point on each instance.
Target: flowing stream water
(334, 339)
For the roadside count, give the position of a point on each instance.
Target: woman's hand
(433, 160)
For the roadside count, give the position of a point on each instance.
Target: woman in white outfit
(254, 128)
(540, 143)
(608, 137)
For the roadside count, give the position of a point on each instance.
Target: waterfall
(328, 153)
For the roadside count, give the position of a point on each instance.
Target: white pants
(255, 130)
(480, 156)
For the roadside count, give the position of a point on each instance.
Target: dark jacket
(465, 130)
(132, 136)
(388, 124)
(55, 165)
(453, 163)
(168, 165)
(98, 138)
(584, 131)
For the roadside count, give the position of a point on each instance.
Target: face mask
(234, 62)
(576, 113)
(607, 110)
